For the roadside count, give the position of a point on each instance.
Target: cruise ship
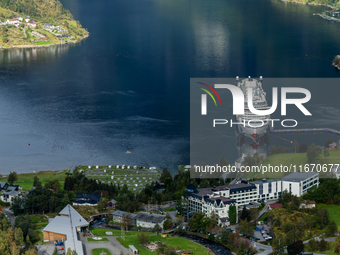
(259, 123)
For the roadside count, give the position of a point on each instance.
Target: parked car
(59, 243)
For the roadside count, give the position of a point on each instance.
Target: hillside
(333, 3)
(37, 22)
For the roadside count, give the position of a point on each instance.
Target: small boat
(128, 152)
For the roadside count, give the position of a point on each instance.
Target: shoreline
(297, 2)
(42, 46)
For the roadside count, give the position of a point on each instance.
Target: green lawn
(101, 232)
(94, 240)
(169, 209)
(26, 180)
(334, 212)
(100, 250)
(172, 241)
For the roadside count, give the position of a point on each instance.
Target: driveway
(46, 249)
(113, 246)
(10, 216)
(267, 249)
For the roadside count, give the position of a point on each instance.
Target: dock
(304, 130)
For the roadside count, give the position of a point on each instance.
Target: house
(87, 199)
(118, 215)
(149, 220)
(26, 26)
(48, 26)
(27, 19)
(9, 195)
(32, 24)
(273, 206)
(66, 226)
(18, 17)
(112, 203)
(12, 21)
(332, 146)
(307, 204)
(3, 186)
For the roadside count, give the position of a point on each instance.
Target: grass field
(172, 241)
(334, 212)
(100, 250)
(94, 240)
(294, 159)
(101, 232)
(26, 180)
(169, 209)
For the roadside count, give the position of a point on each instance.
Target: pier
(304, 130)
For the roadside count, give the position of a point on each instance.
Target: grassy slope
(172, 241)
(26, 180)
(334, 212)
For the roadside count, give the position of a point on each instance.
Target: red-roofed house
(32, 24)
(26, 26)
(332, 146)
(112, 203)
(13, 21)
(307, 204)
(273, 206)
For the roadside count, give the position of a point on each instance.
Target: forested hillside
(45, 10)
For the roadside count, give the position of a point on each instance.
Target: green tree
(303, 148)
(332, 228)
(223, 161)
(232, 214)
(157, 228)
(55, 252)
(224, 236)
(19, 236)
(295, 248)
(313, 152)
(326, 153)
(142, 238)
(246, 228)
(12, 177)
(101, 206)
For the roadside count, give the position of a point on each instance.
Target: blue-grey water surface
(126, 87)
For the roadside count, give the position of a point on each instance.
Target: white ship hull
(253, 133)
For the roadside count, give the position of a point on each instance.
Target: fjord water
(126, 87)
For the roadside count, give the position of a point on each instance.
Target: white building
(66, 226)
(297, 182)
(8, 196)
(149, 220)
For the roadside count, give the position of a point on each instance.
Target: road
(10, 216)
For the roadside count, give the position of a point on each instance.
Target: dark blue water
(126, 87)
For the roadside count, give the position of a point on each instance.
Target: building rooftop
(68, 226)
(150, 217)
(121, 213)
(299, 176)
